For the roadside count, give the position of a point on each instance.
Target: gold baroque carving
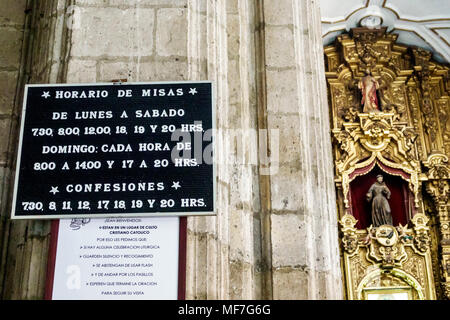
(388, 251)
(410, 132)
(375, 132)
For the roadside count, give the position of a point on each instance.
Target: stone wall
(120, 40)
(275, 233)
(12, 33)
(32, 41)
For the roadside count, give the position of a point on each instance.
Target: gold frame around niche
(411, 133)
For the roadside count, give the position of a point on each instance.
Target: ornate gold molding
(407, 130)
(397, 253)
(375, 133)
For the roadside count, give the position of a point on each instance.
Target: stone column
(275, 235)
(303, 216)
(223, 252)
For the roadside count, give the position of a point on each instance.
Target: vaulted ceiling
(421, 23)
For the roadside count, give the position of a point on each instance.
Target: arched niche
(393, 285)
(401, 200)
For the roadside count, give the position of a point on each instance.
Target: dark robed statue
(379, 195)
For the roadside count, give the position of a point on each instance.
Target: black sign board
(100, 150)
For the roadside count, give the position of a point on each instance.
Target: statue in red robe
(369, 86)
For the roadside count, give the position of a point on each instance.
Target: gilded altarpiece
(390, 113)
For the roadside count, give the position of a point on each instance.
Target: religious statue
(369, 86)
(379, 194)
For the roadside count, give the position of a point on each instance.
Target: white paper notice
(117, 258)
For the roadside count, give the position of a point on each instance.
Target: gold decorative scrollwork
(388, 251)
(406, 128)
(349, 238)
